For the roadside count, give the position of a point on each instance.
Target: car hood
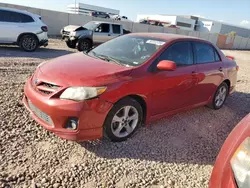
(74, 28)
(79, 69)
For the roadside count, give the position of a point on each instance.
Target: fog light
(72, 124)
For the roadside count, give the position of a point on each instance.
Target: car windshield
(90, 25)
(128, 50)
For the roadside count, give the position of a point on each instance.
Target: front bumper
(91, 114)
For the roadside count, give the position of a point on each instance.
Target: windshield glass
(129, 50)
(90, 25)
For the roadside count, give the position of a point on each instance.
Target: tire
(118, 126)
(29, 43)
(220, 96)
(71, 44)
(84, 45)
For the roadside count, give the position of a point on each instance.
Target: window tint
(116, 29)
(103, 28)
(9, 16)
(217, 58)
(204, 53)
(180, 53)
(26, 19)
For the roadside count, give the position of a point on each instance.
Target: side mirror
(166, 65)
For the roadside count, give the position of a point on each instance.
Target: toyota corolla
(126, 82)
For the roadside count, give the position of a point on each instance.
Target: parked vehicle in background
(126, 82)
(22, 28)
(99, 14)
(232, 165)
(92, 33)
(121, 18)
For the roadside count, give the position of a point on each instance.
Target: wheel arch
(141, 100)
(227, 81)
(27, 33)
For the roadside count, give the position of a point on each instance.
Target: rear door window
(204, 53)
(180, 52)
(15, 17)
(116, 29)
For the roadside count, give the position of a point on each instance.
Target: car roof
(167, 36)
(19, 11)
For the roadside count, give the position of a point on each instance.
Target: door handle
(108, 34)
(193, 73)
(220, 69)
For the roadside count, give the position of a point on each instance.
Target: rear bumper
(91, 114)
(44, 43)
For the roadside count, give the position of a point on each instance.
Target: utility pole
(75, 6)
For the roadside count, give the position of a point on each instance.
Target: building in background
(80, 8)
(194, 23)
(180, 21)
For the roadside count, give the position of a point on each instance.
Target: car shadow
(195, 136)
(42, 53)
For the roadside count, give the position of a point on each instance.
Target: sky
(230, 11)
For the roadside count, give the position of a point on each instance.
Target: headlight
(82, 93)
(241, 164)
(72, 34)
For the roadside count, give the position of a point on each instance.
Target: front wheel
(123, 120)
(84, 45)
(220, 96)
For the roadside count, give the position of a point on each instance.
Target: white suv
(23, 29)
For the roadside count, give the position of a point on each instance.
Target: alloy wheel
(124, 121)
(220, 96)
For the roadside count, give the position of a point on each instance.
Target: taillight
(230, 57)
(44, 28)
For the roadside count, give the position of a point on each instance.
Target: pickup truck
(91, 34)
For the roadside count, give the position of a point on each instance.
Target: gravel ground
(173, 152)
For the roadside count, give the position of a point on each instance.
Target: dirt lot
(173, 152)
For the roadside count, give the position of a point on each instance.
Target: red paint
(222, 175)
(166, 65)
(164, 92)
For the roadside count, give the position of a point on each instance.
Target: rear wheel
(29, 43)
(123, 120)
(84, 45)
(220, 96)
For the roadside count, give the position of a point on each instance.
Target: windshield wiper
(108, 58)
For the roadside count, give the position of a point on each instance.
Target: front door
(102, 33)
(174, 89)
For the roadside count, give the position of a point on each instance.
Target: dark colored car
(232, 166)
(100, 14)
(126, 82)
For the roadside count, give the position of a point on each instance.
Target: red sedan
(126, 82)
(232, 166)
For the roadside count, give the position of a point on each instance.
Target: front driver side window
(103, 28)
(180, 53)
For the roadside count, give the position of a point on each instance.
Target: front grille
(66, 32)
(52, 86)
(45, 92)
(45, 117)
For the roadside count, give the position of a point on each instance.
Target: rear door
(102, 33)
(210, 69)
(116, 30)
